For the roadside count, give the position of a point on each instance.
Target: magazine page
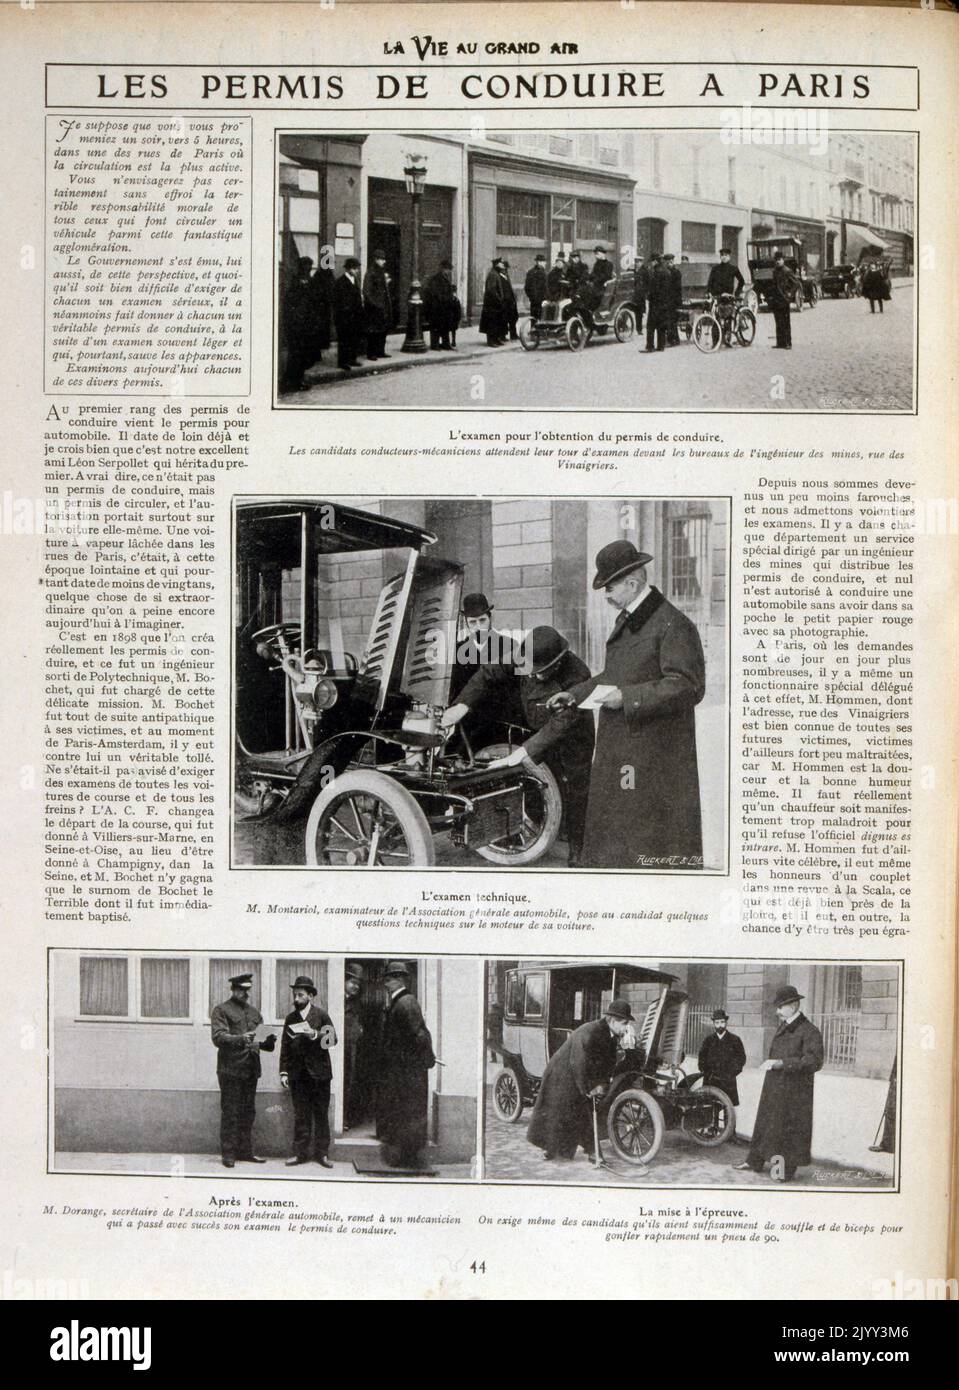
(480, 561)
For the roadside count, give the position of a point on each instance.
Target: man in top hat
(407, 1055)
(782, 1130)
(557, 281)
(442, 308)
(377, 307)
(494, 317)
(233, 1026)
(780, 298)
(725, 278)
(563, 738)
(643, 809)
(722, 1057)
(577, 1072)
(348, 315)
(306, 1072)
(535, 285)
(483, 650)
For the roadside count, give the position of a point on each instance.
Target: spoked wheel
(507, 1095)
(751, 300)
(799, 300)
(745, 327)
(707, 333)
(364, 819)
(542, 816)
(711, 1120)
(624, 325)
(635, 1126)
(576, 334)
(529, 335)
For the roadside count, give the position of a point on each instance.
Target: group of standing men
(405, 1055)
(361, 311)
(630, 782)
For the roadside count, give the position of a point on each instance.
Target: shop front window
(596, 221)
(520, 214)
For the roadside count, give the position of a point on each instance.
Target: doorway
(390, 227)
(385, 236)
(364, 1011)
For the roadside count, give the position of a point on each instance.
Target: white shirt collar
(631, 607)
(305, 1011)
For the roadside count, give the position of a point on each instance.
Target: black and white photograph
(472, 683)
(557, 270)
(740, 1073)
(266, 1065)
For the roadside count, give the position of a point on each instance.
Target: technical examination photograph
(481, 683)
(598, 269)
(741, 1073)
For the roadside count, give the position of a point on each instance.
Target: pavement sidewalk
(470, 343)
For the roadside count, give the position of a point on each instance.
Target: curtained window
(221, 969)
(164, 988)
(104, 986)
(287, 971)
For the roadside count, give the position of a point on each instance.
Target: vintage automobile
(649, 1093)
(841, 281)
(803, 259)
(567, 320)
(337, 720)
(724, 320)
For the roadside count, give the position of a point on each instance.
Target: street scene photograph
(743, 1074)
(615, 269)
(183, 1063)
(481, 683)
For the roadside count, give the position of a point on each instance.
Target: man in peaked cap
(782, 1130)
(564, 739)
(403, 1093)
(306, 1072)
(233, 1026)
(577, 1072)
(722, 1057)
(643, 809)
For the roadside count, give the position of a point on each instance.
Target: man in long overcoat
(441, 306)
(658, 299)
(783, 1124)
(377, 307)
(643, 809)
(564, 739)
(535, 286)
(578, 1071)
(348, 315)
(403, 1092)
(494, 318)
(306, 1072)
(722, 1057)
(233, 1026)
(780, 298)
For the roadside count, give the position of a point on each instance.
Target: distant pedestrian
(377, 307)
(535, 285)
(780, 300)
(873, 286)
(348, 315)
(494, 318)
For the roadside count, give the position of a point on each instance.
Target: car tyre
(506, 1093)
(635, 1126)
(355, 796)
(552, 817)
(707, 1138)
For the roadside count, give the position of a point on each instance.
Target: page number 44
(478, 1267)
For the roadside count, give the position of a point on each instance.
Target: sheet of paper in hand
(598, 698)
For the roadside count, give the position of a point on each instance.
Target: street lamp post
(415, 174)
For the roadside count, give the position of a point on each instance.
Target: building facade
(872, 198)
(134, 1068)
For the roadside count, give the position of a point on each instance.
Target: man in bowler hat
(575, 1075)
(483, 649)
(306, 1072)
(563, 739)
(722, 1057)
(403, 1092)
(782, 1131)
(233, 1026)
(348, 315)
(643, 809)
(535, 285)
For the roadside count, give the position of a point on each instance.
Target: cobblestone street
(843, 359)
(680, 1163)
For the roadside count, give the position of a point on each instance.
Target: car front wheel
(507, 1095)
(364, 819)
(635, 1126)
